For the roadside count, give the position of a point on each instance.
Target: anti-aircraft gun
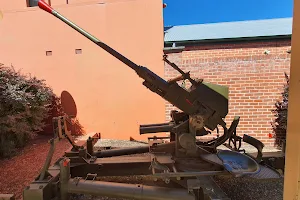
(183, 160)
(203, 105)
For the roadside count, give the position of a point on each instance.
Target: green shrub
(27, 106)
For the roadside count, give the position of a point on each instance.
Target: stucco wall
(110, 96)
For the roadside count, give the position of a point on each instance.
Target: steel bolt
(167, 180)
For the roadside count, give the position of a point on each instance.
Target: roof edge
(271, 37)
(229, 22)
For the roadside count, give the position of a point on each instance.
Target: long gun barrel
(188, 101)
(43, 5)
(152, 81)
(156, 128)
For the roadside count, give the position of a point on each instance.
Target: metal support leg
(48, 159)
(122, 151)
(123, 190)
(64, 178)
(208, 188)
(89, 146)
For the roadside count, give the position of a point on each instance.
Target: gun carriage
(183, 159)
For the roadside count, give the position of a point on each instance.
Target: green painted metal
(222, 90)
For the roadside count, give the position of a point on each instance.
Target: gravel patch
(251, 189)
(19, 171)
(118, 143)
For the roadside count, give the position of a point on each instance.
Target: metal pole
(190, 174)
(167, 147)
(156, 129)
(64, 178)
(160, 124)
(292, 152)
(48, 159)
(123, 190)
(90, 146)
(120, 152)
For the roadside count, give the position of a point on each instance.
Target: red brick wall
(255, 79)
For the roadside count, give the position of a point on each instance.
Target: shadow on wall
(64, 105)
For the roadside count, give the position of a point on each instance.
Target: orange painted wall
(110, 96)
(12, 5)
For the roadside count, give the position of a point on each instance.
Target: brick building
(250, 57)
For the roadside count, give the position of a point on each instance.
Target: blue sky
(182, 12)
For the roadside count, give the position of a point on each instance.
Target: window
(78, 51)
(32, 3)
(48, 53)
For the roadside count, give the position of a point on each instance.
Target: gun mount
(183, 159)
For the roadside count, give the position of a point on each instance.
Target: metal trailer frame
(79, 171)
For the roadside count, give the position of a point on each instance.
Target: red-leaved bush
(279, 125)
(27, 106)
